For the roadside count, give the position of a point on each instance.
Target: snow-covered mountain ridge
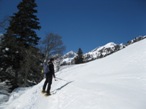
(98, 52)
(115, 82)
(103, 51)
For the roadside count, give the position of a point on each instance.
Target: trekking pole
(61, 79)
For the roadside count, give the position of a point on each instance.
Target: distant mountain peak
(70, 54)
(68, 58)
(103, 51)
(110, 44)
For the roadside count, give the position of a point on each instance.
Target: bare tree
(52, 45)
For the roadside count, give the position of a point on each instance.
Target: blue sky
(87, 24)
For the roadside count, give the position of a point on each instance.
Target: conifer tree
(18, 41)
(24, 23)
(79, 58)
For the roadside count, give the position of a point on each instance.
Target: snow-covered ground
(117, 81)
(4, 92)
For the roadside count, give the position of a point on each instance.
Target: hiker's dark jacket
(51, 68)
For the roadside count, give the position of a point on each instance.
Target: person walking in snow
(49, 73)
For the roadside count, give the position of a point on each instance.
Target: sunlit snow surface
(117, 81)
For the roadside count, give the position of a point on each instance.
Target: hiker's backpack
(46, 68)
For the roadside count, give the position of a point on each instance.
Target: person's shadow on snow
(55, 91)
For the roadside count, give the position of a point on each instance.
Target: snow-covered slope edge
(114, 82)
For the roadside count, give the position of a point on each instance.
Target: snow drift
(117, 81)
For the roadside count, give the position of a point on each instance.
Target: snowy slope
(114, 82)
